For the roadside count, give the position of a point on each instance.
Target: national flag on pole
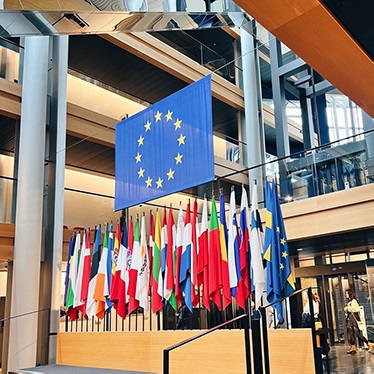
(91, 302)
(108, 303)
(242, 291)
(164, 243)
(102, 287)
(71, 311)
(67, 272)
(185, 269)
(86, 272)
(117, 244)
(169, 291)
(142, 265)
(257, 244)
(157, 303)
(134, 265)
(179, 127)
(203, 257)
(215, 268)
(279, 279)
(78, 283)
(233, 247)
(151, 250)
(118, 293)
(226, 293)
(194, 251)
(178, 257)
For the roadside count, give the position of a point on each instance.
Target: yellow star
(158, 116)
(148, 182)
(168, 115)
(281, 266)
(141, 172)
(177, 124)
(170, 174)
(284, 254)
(159, 182)
(147, 126)
(181, 139)
(140, 141)
(178, 159)
(138, 157)
(278, 229)
(282, 241)
(323, 180)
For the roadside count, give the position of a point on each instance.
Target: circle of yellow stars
(149, 182)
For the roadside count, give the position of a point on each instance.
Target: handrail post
(316, 351)
(256, 343)
(265, 340)
(166, 362)
(247, 345)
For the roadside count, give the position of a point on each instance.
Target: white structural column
(58, 121)
(253, 133)
(28, 224)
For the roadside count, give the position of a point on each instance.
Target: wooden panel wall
(219, 352)
(10, 98)
(6, 241)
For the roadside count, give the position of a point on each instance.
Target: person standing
(353, 316)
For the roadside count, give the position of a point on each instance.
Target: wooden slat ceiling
(98, 58)
(313, 33)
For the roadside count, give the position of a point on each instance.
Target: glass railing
(228, 148)
(9, 62)
(7, 191)
(337, 166)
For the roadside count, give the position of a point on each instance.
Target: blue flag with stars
(166, 148)
(279, 279)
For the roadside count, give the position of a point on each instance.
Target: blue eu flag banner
(165, 148)
(285, 274)
(279, 280)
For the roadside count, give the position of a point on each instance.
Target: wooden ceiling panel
(308, 28)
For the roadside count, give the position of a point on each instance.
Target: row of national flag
(190, 260)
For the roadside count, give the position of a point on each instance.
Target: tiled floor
(341, 363)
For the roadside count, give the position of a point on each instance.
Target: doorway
(332, 292)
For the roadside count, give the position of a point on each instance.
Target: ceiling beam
(159, 54)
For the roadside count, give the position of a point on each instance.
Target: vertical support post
(281, 125)
(253, 128)
(256, 344)
(307, 122)
(166, 362)
(316, 351)
(247, 345)
(51, 275)
(265, 340)
(28, 223)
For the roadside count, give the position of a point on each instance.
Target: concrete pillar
(253, 131)
(28, 223)
(56, 182)
(281, 125)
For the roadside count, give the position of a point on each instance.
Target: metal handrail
(284, 298)
(246, 337)
(262, 310)
(23, 314)
(294, 155)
